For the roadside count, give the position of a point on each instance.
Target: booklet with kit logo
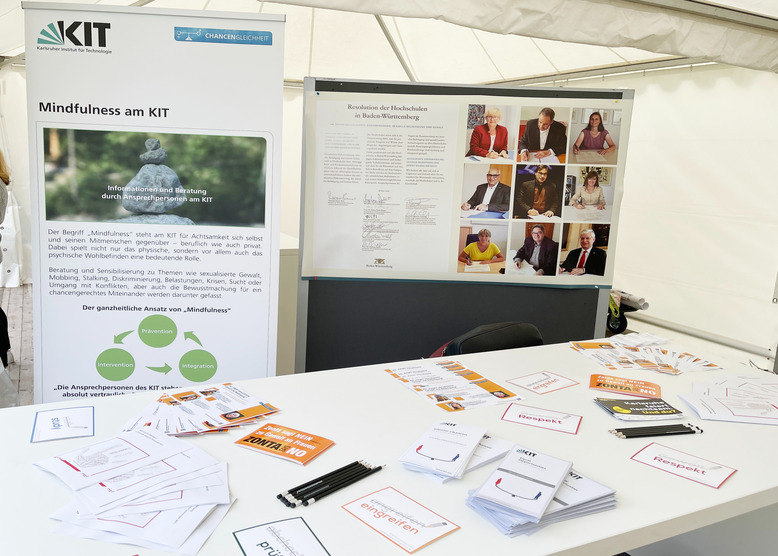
(445, 449)
(524, 483)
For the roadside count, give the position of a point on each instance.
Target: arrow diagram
(191, 336)
(117, 339)
(165, 369)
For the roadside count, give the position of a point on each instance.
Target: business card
(684, 465)
(69, 422)
(542, 418)
(543, 382)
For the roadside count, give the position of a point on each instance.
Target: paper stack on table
(576, 497)
(617, 356)
(444, 450)
(489, 449)
(738, 399)
(450, 385)
(212, 408)
(530, 490)
(142, 488)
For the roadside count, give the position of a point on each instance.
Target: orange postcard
(627, 386)
(285, 443)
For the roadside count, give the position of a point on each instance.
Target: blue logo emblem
(228, 36)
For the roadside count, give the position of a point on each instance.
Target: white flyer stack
(143, 488)
(737, 399)
(530, 490)
(489, 449)
(615, 354)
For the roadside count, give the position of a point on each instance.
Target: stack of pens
(657, 430)
(316, 489)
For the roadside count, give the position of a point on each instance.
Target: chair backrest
(471, 238)
(491, 337)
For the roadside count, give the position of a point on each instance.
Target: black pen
(300, 496)
(312, 481)
(344, 484)
(656, 431)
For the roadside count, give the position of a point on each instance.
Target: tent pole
(395, 48)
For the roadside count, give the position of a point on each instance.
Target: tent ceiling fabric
(484, 41)
(642, 24)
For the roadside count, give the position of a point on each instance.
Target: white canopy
(484, 41)
(698, 224)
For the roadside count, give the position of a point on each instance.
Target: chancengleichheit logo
(76, 33)
(225, 36)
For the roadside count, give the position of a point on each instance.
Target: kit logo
(77, 33)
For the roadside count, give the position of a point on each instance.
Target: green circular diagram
(197, 365)
(157, 331)
(115, 364)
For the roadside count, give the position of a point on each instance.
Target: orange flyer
(627, 386)
(285, 443)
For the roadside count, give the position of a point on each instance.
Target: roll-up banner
(155, 158)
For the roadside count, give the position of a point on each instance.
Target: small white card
(286, 537)
(684, 465)
(542, 418)
(543, 382)
(70, 422)
(400, 519)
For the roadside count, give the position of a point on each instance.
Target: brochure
(578, 496)
(524, 484)
(489, 449)
(639, 410)
(285, 443)
(445, 449)
(208, 408)
(450, 385)
(626, 386)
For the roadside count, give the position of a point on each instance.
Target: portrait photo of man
(491, 196)
(537, 196)
(539, 251)
(586, 259)
(543, 136)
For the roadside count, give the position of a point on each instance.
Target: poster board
(155, 167)
(390, 171)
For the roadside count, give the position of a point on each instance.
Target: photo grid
(538, 187)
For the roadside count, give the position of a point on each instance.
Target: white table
(371, 416)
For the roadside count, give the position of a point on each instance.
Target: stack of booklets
(530, 490)
(489, 449)
(444, 450)
(142, 488)
(212, 408)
